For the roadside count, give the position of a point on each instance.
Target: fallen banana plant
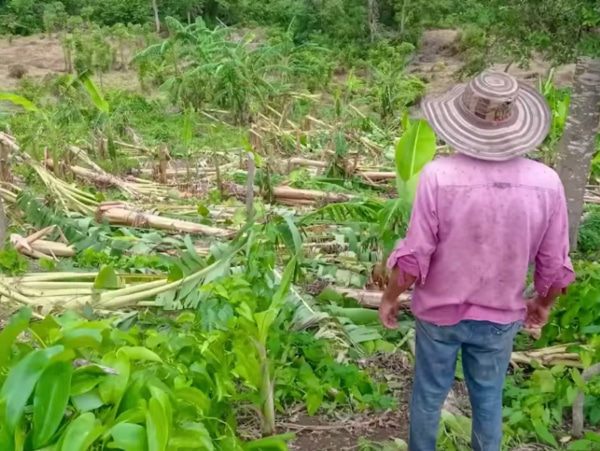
(35, 246)
(69, 196)
(551, 356)
(371, 298)
(293, 196)
(106, 290)
(98, 176)
(119, 213)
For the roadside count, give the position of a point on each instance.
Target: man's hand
(537, 315)
(388, 311)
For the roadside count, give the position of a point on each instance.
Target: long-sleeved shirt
(476, 227)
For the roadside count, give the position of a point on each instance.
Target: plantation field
(195, 223)
(437, 59)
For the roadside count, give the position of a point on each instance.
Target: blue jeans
(486, 350)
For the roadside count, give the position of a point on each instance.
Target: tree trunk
(578, 143)
(156, 18)
(373, 19)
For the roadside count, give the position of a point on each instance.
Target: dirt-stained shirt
(475, 229)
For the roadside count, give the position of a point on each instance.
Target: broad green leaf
(544, 380)
(156, 426)
(86, 378)
(21, 381)
(581, 445)
(542, 431)
(45, 330)
(135, 416)
(139, 353)
(165, 403)
(87, 402)
(203, 210)
(275, 443)
(189, 245)
(175, 273)
(80, 434)
(285, 283)
(359, 316)
(314, 400)
(194, 436)
(20, 436)
(50, 401)
(19, 100)
(94, 93)
(113, 387)
(297, 239)
(7, 440)
(129, 437)
(592, 437)
(81, 338)
(264, 321)
(415, 149)
(579, 382)
(361, 334)
(195, 397)
(107, 279)
(409, 188)
(17, 324)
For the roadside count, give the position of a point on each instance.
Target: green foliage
(85, 383)
(575, 315)
(12, 262)
(588, 243)
(535, 405)
(560, 29)
(205, 65)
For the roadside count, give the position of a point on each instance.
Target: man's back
(482, 224)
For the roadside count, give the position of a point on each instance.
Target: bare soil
(327, 433)
(40, 56)
(437, 62)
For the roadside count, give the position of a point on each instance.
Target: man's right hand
(537, 314)
(388, 311)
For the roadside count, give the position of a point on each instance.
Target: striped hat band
(494, 117)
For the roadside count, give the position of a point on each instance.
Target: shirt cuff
(406, 261)
(564, 278)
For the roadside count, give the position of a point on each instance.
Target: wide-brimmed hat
(494, 117)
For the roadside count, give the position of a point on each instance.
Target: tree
(563, 31)
(156, 17)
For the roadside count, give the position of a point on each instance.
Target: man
(479, 219)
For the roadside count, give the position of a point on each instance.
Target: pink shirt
(475, 228)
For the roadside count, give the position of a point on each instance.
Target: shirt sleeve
(553, 266)
(413, 253)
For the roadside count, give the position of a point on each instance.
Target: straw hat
(494, 117)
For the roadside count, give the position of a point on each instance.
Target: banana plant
(414, 150)
(88, 385)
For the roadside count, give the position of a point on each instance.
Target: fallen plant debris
(200, 267)
(36, 247)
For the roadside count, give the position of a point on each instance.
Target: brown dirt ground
(42, 55)
(341, 434)
(436, 61)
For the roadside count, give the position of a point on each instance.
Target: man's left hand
(537, 315)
